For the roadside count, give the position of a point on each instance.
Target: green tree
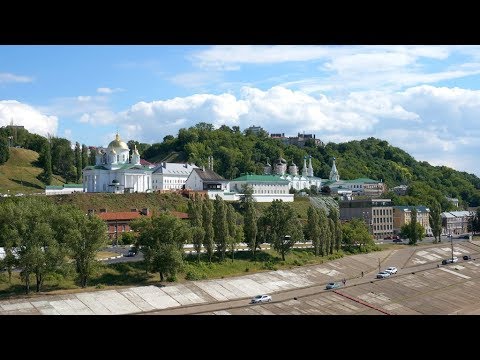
(323, 231)
(281, 227)
(84, 155)
(220, 226)
(233, 229)
(334, 215)
(162, 238)
(86, 236)
(47, 166)
(313, 228)
(4, 150)
(355, 233)
(198, 235)
(207, 216)
(435, 219)
(414, 231)
(78, 162)
(250, 226)
(332, 233)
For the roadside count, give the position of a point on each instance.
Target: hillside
(235, 153)
(122, 202)
(19, 174)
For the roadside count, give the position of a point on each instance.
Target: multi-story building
(63, 189)
(402, 215)
(455, 222)
(298, 140)
(115, 171)
(266, 188)
(377, 214)
(171, 176)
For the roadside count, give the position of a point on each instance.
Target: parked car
(449, 260)
(392, 270)
(261, 299)
(397, 240)
(467, 257)
(464, 237)
(383, 274)
(333, 285)
(131, 252)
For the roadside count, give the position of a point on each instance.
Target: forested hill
(236, 152)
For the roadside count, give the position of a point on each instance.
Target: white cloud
(106, 90)
(86, 109)
(431, 123)
(32, 119)
(12, 78)
(231, 57)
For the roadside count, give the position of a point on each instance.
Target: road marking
(455, 273)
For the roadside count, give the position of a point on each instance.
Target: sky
(422, 99)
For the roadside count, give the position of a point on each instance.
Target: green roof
(53, 187)
(72, 185)
(364, 180)
(260, 178)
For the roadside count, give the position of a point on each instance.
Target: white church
(116, 172)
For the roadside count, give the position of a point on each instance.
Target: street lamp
(451, 242)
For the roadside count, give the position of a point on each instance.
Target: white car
(392, 270)
(261, 299)
(383, 274)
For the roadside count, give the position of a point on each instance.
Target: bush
(195, 275)
(269, 265)
(172, 278)
(247, 269)
(99, 286)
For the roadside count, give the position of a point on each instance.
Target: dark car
(467, 257)
(131, 252)
(464, 237)
(397, 240)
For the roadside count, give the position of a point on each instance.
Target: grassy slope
(19, 175)
(122, 202)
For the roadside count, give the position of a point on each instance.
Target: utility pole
(378, 264)
(451, 242)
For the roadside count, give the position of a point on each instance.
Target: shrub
(195, 275)
(269, 265)
(99, 286)
(172, 278)
(247, 269)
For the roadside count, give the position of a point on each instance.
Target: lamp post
(451, 242)
(378, 264)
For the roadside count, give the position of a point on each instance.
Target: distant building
(360, 186)
(298, 140)
(119, 222)
(207, 180)
(402, 215)
(255, 129)
(63, 189)
(171, 176)
(116, 172)
(454, 201)
(376, 213)
(266, 188)
(400, 190)
(455, 222)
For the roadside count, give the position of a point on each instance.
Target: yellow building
(402, 215)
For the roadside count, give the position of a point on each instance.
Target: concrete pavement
(216, 295)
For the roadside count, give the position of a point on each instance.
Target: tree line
(215, 227)
(42, 239)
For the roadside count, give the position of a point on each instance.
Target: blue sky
(423, 99)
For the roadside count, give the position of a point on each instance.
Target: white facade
(64, 189)
(297, 181)
(266, 188)
(171, 176)
(206, 179)
(116, 172)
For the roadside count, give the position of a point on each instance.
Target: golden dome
(117, 143)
